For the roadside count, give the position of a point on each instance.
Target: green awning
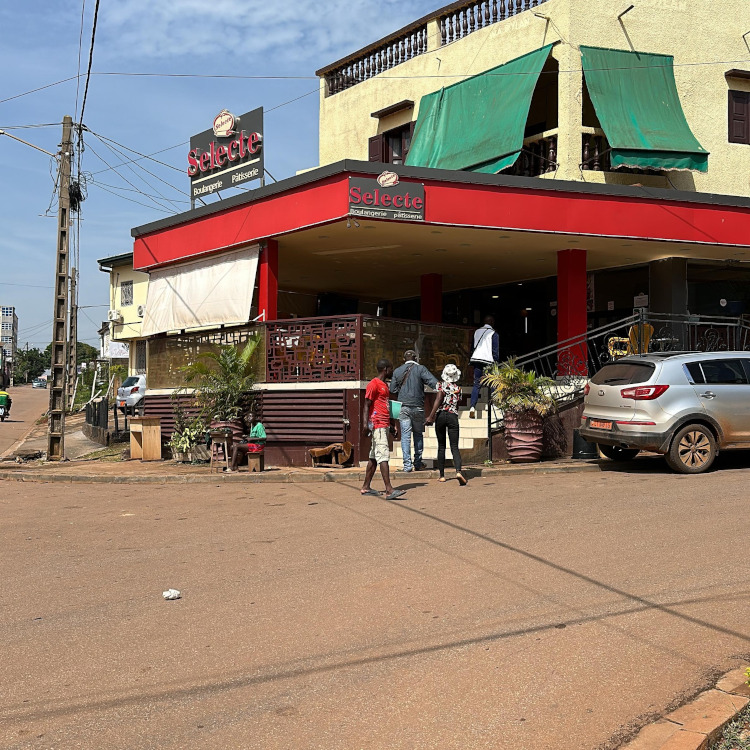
(478, 124)
(636, 100)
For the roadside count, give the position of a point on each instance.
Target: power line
(163, 197)
(32, 286)
(91, 60)
(145, 205)
(80, 49)
(40, 88)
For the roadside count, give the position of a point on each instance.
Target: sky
(269, 50)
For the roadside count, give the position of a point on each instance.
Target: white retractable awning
(210, 292)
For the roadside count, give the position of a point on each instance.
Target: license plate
(598, 424)
(122, 403)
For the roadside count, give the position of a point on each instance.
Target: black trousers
(447, 422)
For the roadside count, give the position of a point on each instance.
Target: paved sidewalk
(169, 472)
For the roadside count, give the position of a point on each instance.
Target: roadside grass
(112, 452)
(736, 735)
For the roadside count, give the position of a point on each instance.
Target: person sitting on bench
(250, 443)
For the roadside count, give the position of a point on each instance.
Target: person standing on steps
(486, 352)
(376, 416)
(407, 386)
(444, 416)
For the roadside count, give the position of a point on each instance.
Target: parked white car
(130, 395)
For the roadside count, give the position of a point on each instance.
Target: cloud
(262, 36)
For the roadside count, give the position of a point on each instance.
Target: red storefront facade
(478, 231)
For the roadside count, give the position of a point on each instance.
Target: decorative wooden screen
(312, 350)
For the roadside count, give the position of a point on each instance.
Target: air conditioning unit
(141, 310)
(114, 316)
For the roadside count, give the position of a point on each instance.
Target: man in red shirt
(377, 418)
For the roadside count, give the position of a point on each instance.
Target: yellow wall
(708, 32)
(130, 327)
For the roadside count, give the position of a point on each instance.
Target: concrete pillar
(668, 290)
(431, 292)
(433, 35)
(570, 112)
(268, 280)
(572, 316)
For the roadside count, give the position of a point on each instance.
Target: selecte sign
(228, 154)
(386, 198)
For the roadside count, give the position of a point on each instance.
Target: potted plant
(224, 380)
(525, 399)
(188, 435)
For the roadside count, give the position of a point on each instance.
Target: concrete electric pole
(59, 364)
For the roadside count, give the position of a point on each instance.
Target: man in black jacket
(407, 386)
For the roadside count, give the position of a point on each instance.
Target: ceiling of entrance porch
(384, 260)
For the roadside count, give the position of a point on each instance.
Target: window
(624, 373)
(739, 117)
(392, 146)
(140, 356)
(7, 326)
(7, 311)
(718, 372)
(126, 293)
(7, 339)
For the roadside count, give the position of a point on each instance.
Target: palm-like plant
(516, 391)
(223, 378)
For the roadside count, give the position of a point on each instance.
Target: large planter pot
(234, 426)
(523, 436)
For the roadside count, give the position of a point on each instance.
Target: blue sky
(148, 114)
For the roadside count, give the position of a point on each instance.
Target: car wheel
(693, 450)
(618, 453)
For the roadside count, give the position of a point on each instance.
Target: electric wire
(125, 179)
(121, 155)
(91, 60)
(80, 49)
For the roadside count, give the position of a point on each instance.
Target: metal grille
(126, 293)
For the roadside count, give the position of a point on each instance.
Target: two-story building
(552, 162)
(128, 291)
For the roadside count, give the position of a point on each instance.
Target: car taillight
(644, 392)
(586, 389)
(134, 390)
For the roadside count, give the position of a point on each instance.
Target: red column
(571, 312)
(268, 280)
(431, 292)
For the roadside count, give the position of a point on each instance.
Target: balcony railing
(450, 23)
(388, 54)
(595, 151)
(469, 17)
(538, 157)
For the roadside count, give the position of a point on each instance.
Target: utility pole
(73, 338)
(56, 423)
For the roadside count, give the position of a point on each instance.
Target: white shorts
(379, 449)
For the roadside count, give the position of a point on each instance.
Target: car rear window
(132, 380)
(627, 373)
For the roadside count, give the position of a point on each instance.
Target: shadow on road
(653, 464)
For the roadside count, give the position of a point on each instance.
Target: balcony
(445, 26)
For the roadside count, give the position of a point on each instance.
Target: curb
(699, 723)
(294, 477)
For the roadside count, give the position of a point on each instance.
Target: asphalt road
(28, 405)
(541, 612)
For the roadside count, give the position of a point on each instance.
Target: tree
(84, 353)
(29, 364)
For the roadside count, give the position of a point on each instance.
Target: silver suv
(685, 405)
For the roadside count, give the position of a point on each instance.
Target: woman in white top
(444, 416)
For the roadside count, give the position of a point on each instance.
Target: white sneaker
(472, 413)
